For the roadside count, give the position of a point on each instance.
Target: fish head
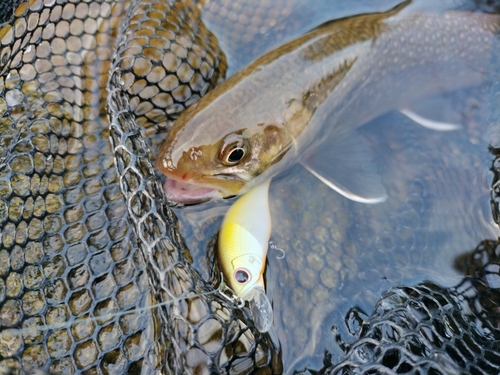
(209, 155)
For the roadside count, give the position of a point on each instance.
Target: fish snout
(176, 169)
(193, 177)
(164, 163)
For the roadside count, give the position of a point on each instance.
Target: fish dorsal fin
(343, 162)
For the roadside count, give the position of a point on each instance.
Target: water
(340, 254)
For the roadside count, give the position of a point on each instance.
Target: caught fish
(242, 249)
(303, 102)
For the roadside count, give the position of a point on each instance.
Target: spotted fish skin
(332, 80)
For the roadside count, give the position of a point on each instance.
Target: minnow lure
(242, 249)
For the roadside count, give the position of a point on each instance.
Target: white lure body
(242, 250)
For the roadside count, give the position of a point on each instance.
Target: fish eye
(242, 276)
(233, 150)
(235, 155)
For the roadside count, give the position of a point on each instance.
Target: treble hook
(273, 246)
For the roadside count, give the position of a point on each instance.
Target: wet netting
(94, 275)
(427, 329)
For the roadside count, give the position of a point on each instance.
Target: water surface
(341, 254)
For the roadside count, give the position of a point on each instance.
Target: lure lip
(247, 291)
(261, 308)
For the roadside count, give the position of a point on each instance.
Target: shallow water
(337, 254)
(341, 254)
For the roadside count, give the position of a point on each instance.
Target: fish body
(242, 250)
(296, 99)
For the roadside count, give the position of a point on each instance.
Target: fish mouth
(189, 193)
(186, 193)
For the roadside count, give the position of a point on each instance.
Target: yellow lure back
(242, 250)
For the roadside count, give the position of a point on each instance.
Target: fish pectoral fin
(261, 308)
(436, 113)
(343, 162)
(428, 123)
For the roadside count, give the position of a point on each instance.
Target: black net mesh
(427, 329)
(77, 286)
(94, 275)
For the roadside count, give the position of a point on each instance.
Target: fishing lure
(242, 250)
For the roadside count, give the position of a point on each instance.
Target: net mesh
(94, 275)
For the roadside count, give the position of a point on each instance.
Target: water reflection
(340, 254)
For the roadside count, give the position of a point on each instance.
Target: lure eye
(233, 150)
(242, 276)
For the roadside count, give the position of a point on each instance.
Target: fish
(242, 249)
(305, 101)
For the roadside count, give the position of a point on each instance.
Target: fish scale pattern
(77, 292)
